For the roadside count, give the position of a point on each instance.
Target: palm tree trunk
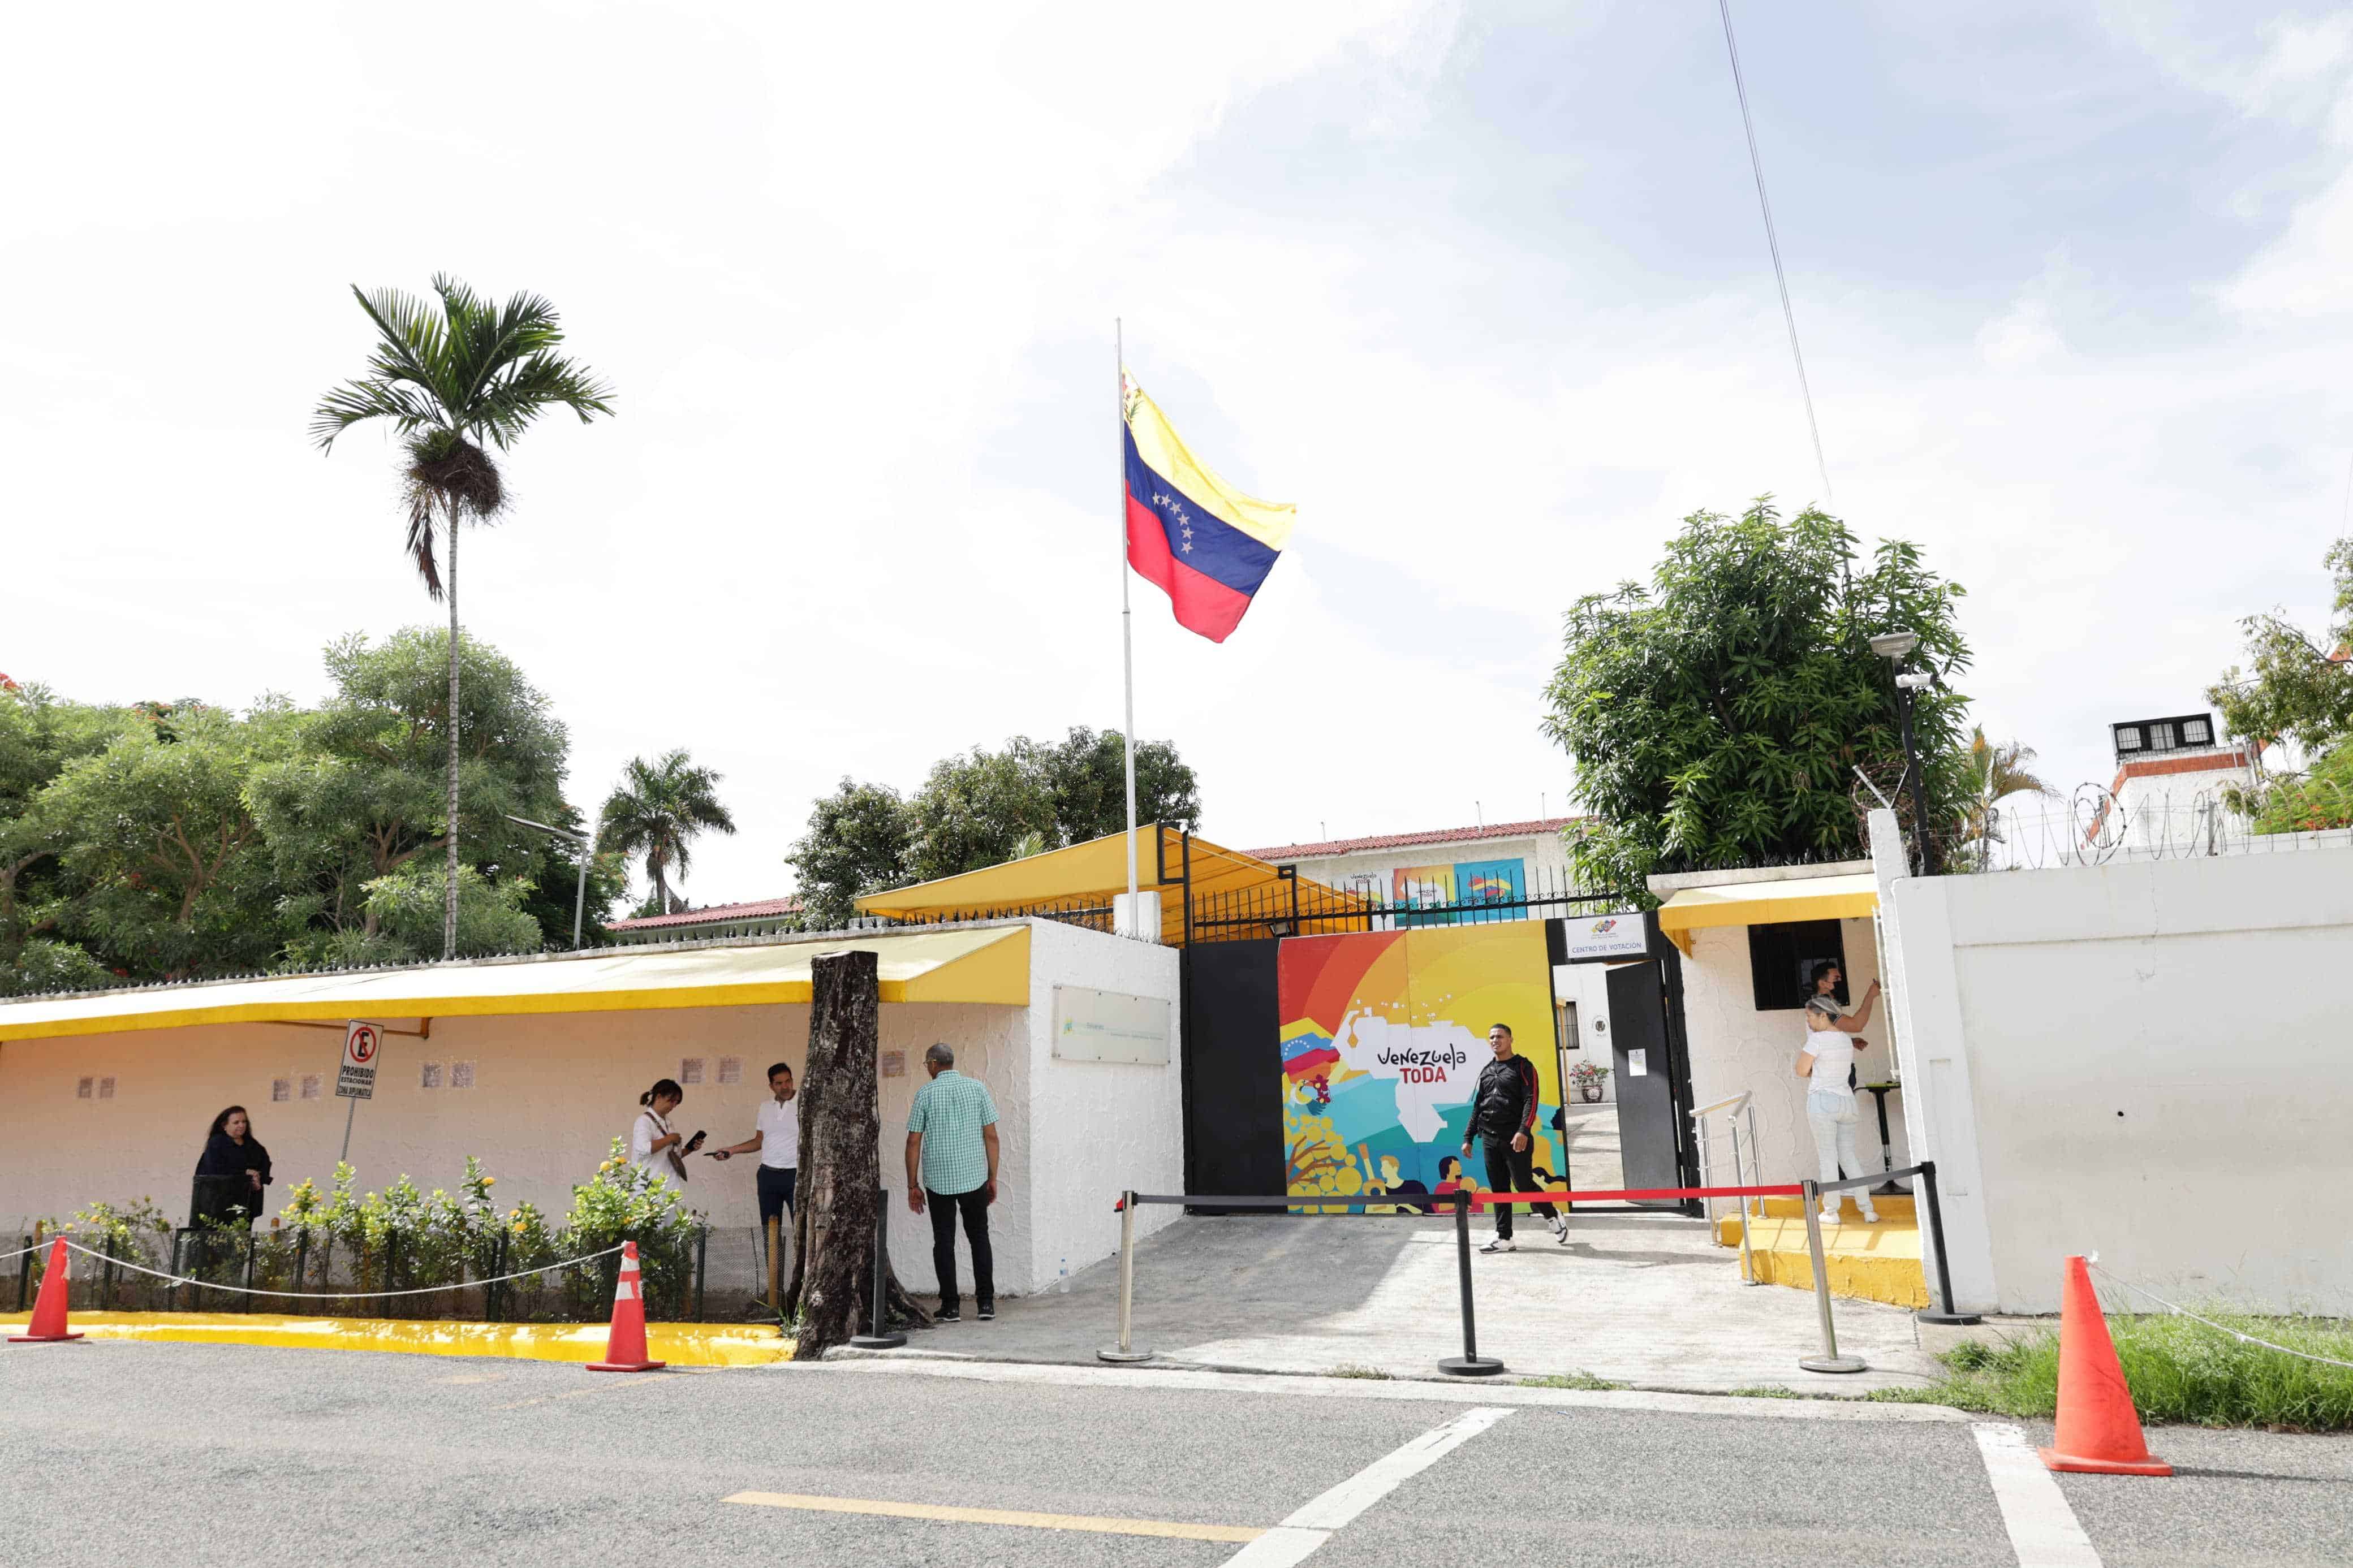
(450, 890)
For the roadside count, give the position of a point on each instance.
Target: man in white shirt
(777, 1139)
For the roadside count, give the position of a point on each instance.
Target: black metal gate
(1650, 1063)
(1233, 1069)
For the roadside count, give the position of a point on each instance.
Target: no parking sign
(362, 1042)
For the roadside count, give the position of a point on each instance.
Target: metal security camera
(1916, 680)
(1894, 644)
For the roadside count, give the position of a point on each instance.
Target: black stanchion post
(1928, 1185)
(252, 1241)
(1470, 1363)
(24, 1273)
(702, 1263)
(879, 1340)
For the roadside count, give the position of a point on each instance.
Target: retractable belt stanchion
(1470, 1363)
(1125, 1350)
(1937, 1243)
(879, 1340)
(1830, 1359)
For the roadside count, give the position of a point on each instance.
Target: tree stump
(834, 1219)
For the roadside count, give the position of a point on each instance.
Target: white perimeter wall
(1735, 1046)
(551, 1090)
(2159, 1067)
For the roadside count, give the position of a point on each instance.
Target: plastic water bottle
(1062, 1285)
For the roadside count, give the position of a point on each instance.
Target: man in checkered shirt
(952, 1170)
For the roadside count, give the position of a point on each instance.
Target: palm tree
(658, 810)
(1991, 773)
(450, 382)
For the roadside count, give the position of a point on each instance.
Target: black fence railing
(395, 1274)
(1296, 906)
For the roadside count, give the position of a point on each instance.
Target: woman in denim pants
(1826, 1061)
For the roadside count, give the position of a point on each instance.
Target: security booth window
(1782, 960)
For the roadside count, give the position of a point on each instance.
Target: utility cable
(354, 1295)
(2217, 1328)
(1773, 244)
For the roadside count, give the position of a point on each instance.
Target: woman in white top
(1825, 1061)
(650, 1139)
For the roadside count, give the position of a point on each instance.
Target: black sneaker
(948, 1315)
(989, 1311)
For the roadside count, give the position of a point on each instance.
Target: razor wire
(2242, 1336)
(179, 1279)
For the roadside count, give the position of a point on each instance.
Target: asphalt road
(193, 1455)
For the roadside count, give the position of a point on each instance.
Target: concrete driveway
(1636, 1298)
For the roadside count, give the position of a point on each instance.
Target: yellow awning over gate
(989, 965)
(1089, 874)
(1770, 903)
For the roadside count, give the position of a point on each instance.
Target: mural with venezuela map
(1383, 1037)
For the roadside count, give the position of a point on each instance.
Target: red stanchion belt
(1481, 1200)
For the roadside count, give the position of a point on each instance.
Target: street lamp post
(1895, 646)
(580, 893)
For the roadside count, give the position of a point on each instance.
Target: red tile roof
(712, 914)
(1381, 841)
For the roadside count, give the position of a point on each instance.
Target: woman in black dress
(231, 1172)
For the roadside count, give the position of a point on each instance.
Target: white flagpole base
(1135, 915)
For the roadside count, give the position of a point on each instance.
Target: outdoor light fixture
(1895, 646)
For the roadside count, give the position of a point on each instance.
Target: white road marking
(2044, 1529)
(900, 1363)
(1311, 1526)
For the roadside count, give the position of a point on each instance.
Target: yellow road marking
(1162, 1527)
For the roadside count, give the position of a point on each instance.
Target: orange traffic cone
(625, 1348)
(48, 1325)
(2098, 1429)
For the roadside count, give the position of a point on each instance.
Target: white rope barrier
(2218, 1328)
(337, 1295)
(22, 1251)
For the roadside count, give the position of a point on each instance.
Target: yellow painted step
(1863, 1262)
(1900, 1205)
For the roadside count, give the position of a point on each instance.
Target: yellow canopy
(1770, 903)
(1087, 875)
(989, 965)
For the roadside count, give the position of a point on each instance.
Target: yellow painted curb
(1863, 1262)
(681, 1344)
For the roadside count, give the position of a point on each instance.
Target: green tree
(1718, 716)
(454, 383)
(658, 810)
(552, 866)
(2298, 694)
(39, 737)
(982, 808)
(856, 843)
(170, 876)
(1088, 774)
(360, 797)
(1990, 775)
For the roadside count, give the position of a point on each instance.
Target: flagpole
(1126, 615)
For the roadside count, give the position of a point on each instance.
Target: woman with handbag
(653, 1147)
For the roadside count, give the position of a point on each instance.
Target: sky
(1483, 288)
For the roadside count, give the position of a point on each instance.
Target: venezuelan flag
(1208, 545)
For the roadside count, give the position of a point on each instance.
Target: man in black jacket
(1504, 1113)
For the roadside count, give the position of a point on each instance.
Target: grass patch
(1765, 1390)
(1349, 1369)
(2179, 1371)
(1571, 1379)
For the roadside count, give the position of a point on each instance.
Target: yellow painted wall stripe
(1161, 1527)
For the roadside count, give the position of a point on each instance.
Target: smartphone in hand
(696, 1141)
